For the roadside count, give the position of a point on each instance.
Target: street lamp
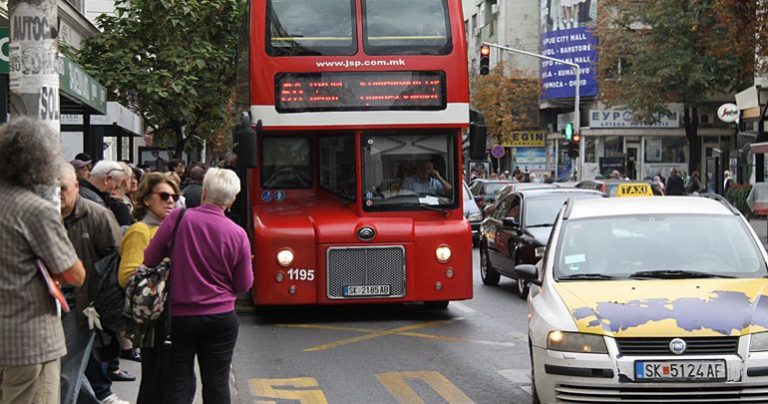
(577, 115)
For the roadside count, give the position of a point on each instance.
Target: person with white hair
(106, 177)
(211, 259)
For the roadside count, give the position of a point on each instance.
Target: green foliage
(737, 196)
(508, 100)
(171, 60)
(674, 51)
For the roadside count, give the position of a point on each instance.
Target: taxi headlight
(474, 217)
(285, 257)
(576, 342)
(759, 342)
(443, 254)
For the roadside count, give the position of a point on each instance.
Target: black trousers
(212, 339)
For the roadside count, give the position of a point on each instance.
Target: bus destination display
(360, 91)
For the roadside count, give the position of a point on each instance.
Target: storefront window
(665, 149)
(613, 146)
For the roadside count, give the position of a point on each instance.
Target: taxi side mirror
(510, 222)
(528, 272)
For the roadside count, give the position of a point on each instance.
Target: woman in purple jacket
(210, 264)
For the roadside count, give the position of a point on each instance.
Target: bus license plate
(366, 290)
(672, 371)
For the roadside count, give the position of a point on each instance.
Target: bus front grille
(365, 266)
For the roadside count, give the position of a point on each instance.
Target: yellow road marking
(377, 334)
(266, 388)
(397, 384)
(397, 331)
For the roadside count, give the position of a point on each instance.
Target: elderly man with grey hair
(33, 243)
(215, 255)
(106, 176)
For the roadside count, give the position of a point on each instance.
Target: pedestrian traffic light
(568, 131)
(485, 59)
(573, 150)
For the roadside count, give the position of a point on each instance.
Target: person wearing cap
(82, 169)
(83, 173)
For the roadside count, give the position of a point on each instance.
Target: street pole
(34, 69)
(34, 60)
(576, 100)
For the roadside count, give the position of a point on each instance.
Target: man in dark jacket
(194, 191)
(675, 185)
(105, 176)
(95, 234)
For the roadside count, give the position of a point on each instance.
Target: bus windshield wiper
(675, 274)
(576, 277)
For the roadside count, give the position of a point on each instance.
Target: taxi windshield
(409, 170)
(657, 246)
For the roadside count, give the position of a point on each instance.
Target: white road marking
(462, 307)
(520, 377)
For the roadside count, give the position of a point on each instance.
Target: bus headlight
(576, 342)
(443, 254)
(285, 257)
(759, 342)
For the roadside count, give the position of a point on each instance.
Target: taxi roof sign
(634, 189)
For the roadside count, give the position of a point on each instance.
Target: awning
(119, 121)
(759, 148)
(79, 91)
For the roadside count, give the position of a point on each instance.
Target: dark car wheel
(487, 274)
(523, 287)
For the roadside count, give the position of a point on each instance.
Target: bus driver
(427, 180)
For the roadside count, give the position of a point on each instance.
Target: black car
(518, 230)
(484, 191)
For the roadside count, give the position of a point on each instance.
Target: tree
(653, 52)
(508, 102)
(173, 61)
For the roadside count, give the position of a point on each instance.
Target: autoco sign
(728, 113)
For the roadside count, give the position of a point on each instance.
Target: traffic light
(568, 131)
(573, 150)
(576, 138)
(485, 59)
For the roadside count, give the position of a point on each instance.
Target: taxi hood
(666, 308)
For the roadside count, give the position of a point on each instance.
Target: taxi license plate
(673, 371)
(366, 290)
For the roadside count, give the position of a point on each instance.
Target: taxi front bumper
(566, 377)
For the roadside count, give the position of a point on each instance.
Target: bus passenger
(427, 180)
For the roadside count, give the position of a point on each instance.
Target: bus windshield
(406, 27)
(407, 171)
(311, 27)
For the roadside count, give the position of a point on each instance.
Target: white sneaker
(114, 400)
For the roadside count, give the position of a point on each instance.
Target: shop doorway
(632, 161)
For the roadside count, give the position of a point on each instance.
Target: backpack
(107, 297)
(146, 294)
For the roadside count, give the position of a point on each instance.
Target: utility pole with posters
(34, 60)
(34, 68)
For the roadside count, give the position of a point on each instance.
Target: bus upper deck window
(406, 27)
(311, 27)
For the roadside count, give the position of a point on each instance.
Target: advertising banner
(567, 33)
(529, 138)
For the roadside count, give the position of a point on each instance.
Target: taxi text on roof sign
(635, 189)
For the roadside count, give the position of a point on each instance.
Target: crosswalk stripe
(520, 377)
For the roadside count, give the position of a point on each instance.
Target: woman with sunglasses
(154, 199)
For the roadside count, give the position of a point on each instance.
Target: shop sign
(530, 138)
(4, 51)
(728, 113)
(76, 83)
(622, 118)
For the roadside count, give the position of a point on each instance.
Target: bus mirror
(477, 140)
(245, 139)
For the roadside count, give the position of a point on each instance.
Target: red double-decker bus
(355, 188)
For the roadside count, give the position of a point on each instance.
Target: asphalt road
(475, 351)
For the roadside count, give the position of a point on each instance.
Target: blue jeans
(74, 385)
